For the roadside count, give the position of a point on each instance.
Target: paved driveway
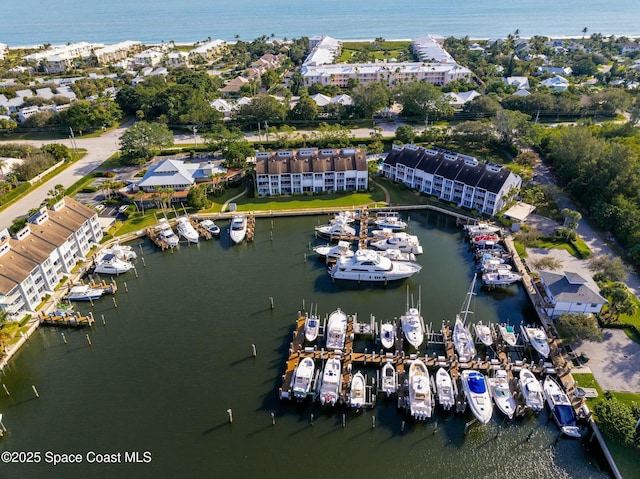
(614, 362)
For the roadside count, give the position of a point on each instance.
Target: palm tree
(584, 32)
(3, 163)
(139, 196)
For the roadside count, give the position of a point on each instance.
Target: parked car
(123, 208)
(99, 208)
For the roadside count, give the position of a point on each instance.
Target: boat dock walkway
(251, 226)
(66, 319)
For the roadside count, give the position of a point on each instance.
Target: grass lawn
(580, 250)
(303, 202)
(387, 50)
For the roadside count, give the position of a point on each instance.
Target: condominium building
(461, 179)
(33, 262)
(116, 52)
(311, 170)
(59, 59)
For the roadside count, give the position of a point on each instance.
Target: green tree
(616, 420)
(369, 99)
(612, 267)
(333, 136)
(236, 154)
(58, 151)
(269, 79)
(305, 110)
(423, 100)
(263, 108)
(197, 197)
(142, 138)
(405, 134)
(578, 327)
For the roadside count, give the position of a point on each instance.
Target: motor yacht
(186, 229)
(484, 333)
(389, 381)
(311, 327)
(110, 264)
(444, 388)
(420, 397)
(531, 390)
(336, 330)
(210, 226)
(368, 265)
(238, 228)
(499, 387)
(166, 234)
(538, 339)
(477, 393)
(303, 378)
(388, 335)
(561, 407)
(358, 391)
(412, 327)
(331, 378)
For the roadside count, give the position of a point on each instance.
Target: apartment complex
(311, 170)
(437, 66)
(33, 262)
(116, 52)
(461, 179)
(61, 58)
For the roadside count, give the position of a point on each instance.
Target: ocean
(32, 22)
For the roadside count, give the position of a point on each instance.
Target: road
(98, 150)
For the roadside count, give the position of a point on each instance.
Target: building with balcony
(311, 170)
(33, 262)
(460, 179)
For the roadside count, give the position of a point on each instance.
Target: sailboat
(462, 339)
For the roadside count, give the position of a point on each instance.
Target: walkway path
(226, 203)
(387, 197)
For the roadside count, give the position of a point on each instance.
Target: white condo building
(461, 179)
(311, 170)
(33, 262)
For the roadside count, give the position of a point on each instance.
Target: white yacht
(402, 241)
(186, 229)
(303, 377)
(500, 278)
(397, 255)
(463, 341)
(336, 330)
(420, 400)
(561, 407)
(499, 386)
(210, 226)
(368, 265)
(166, 234)
(331, 379)
(481, 229)
(389, 381)
(494, 265)
(484, 333)
(444, 387)
(110, 264)
(123, 252)
(336, 230)
(388, 335)
(538, 339)
(358, 391)
(333, 252)
(238, 228)
(478, 398)
(84, 292)
(508, 334)
(311, 326)
(393, 223)
(531, 390)
(482, 240)
(412, 327)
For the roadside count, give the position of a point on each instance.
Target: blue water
(29, 22)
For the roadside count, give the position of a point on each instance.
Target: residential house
(554, 70)
(234, 86)
(557, 83)
(33, 262)
(569, 293)
(429, 48)
(177, 175)
(150, 58)
(457, 100)
(630, 47)
(324, 50)
(177, 59)
(460, 179)
(311, 170)
(522, 83)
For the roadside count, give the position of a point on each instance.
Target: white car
(99, 208)
(123, 208)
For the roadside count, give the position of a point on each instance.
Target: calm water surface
(29, 22)
(176, 354)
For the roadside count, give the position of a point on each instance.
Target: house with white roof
(458, 99)
(555, 70)
(324, 50)
(522, 83)
(569, 293)
(321, 100)
(177, 175)
(60, 58)
(557, 83)
(177, 59)
(429, 49)
(150, 57)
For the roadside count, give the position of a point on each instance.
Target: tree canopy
(139, 141)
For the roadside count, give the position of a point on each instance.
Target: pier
(66, 319)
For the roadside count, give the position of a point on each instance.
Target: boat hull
(477, 393)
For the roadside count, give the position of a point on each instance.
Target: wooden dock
(251, 226)
(153, 235)
(66, 319)
(205, 233)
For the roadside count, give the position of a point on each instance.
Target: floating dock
(66, 319)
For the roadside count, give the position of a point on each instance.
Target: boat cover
(477, 384)
(564, 415)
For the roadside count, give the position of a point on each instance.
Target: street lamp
(194, 129)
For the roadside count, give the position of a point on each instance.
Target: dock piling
(230, 413)
(126, 290)
(88, 339)
(253, 350)
(115, 304)
(273, 419)
(271, 301)
(402, 428)
(373, 422)
(135, 271)
(64, 338)
(312, 419)
(6, 391)
(144, 264)
(35, 391)
(103, 322)
(344, 420)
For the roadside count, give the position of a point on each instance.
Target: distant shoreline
(232, 42)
